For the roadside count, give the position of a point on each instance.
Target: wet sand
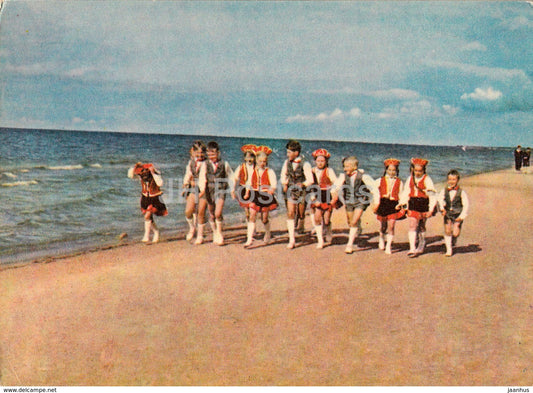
(178, 314)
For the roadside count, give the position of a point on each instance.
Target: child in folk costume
(242, 178)
(324, 177)
(151, 200)
(389, 188)
(263, 200)
(454, 205)
(419, 196)
(214, 181)
(296, 176)
(356, 190)
(190, 185)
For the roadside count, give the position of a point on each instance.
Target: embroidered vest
(295, 175)
(420, 187)
(243, 175)
(195, 172)
(262, 182)
(395, 192)
(219, 173)
(350, 193)
(456, 205)
(324, 182)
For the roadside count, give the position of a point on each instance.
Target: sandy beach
(178, 314)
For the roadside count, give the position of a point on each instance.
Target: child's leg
(219, 219)
(147, 226)
(202, 206)
(313, 220)
(250, 228)
(190, 208)
(266, 223)
(448, 236)
(327, 224)
(390, 236)
(291, 214)
(353, 220)
(382, 232)
(301, 217)
(413, 226)
(318, 227)
(421, 236)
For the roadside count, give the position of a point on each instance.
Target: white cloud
(400, 94)
(336, 114)
(450, 110)
(518, 23)
(480, 94)
(494, 73)
(474, 46)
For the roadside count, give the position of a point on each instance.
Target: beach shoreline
(175, 314)
(125, 239)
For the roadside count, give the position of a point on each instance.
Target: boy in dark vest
(215, 181)
(356, 189)
(296, 176)
(454, 205)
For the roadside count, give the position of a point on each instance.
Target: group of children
(209, 178)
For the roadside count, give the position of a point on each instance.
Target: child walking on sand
(356, 189)
(419, 196)
(454, 205)
(242, 177)
(296, 176)
(388, 210)
(215, 179)
(323, 179)
(263, 189)
(190, 185)
(151, 200)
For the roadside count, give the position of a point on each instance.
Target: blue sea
(68, 191)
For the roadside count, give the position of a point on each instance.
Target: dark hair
(198, 145)
(213, 146)
(294, 146)
(412, 168)
(397, 169)
(454, 172)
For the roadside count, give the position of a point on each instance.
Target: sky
(129, 65)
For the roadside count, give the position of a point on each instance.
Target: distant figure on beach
(518, 158)
(526, 158)
(355, 190)
(419, 197)
(263, 199)
(214, 181)
(151, 197)
(454, 205)
(296, 176)
(242, 179)
(190, 185)
(323, 179)
(389, 188)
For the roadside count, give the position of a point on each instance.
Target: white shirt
(202, 176)
(369, 182)
(188, 173)
(329, 172)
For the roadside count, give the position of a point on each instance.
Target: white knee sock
(147, 228)
(319, 232)
(412, 241)
(290, 229)
(250, 233)
(388, 247)
(448, 243)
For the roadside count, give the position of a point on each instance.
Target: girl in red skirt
(324, 177)
(388, 211)
(262, 198)
(420, 197)
(151, 200)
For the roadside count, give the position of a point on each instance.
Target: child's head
(293, 149)
(262, 159)
(453, 178)
(392, 167)
(350, 165)
(198, 150)
(321, 158)
(213, 151)
(418, 166)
